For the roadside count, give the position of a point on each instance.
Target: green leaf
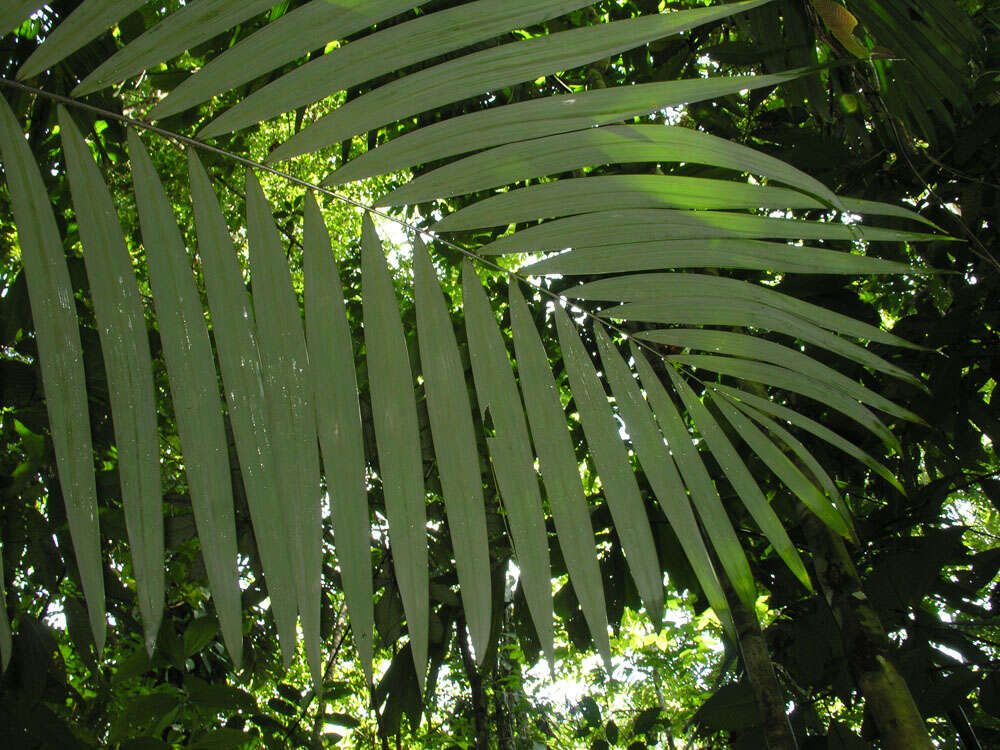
(791, 380)
(16, 13)
(186, 28)
(730, 708)
(647, 224)
(741, 479)
(194, 388)
(660, 470)
(239, 363)
(88, 21)
(612, 144)
(642, 191)
(342, 720)
(560, 471)
(198, 634)
(394, 413)
(308, 27)
(143, 713)
(646, 719)
(510, 448)
(621, 492)
(450, 418)
(808, 461)
(754, 347)
(782, 467)
(714, 253)
(221, 739)
(809, 425)
(423, 38)
(732, 311)
(539, 117)
(53, 310)
(290, 412)
(704, 496)
(338, 421)
(655, 286)
(492, 69)
(130, 667)
(124, 344)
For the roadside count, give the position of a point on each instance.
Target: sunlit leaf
(540, 117)
(491, 69)
(646, 224)
(643, 191)
(711, 253)
(592, 147)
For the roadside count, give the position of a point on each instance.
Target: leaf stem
(247, 162)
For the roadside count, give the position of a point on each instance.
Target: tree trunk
(480, 710)
(868, 648)
(767, 692)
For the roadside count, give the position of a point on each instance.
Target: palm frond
(292, 393)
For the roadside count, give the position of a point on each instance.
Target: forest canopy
(499, 374)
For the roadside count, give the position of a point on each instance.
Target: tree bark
(767, 692)
(869, 651)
